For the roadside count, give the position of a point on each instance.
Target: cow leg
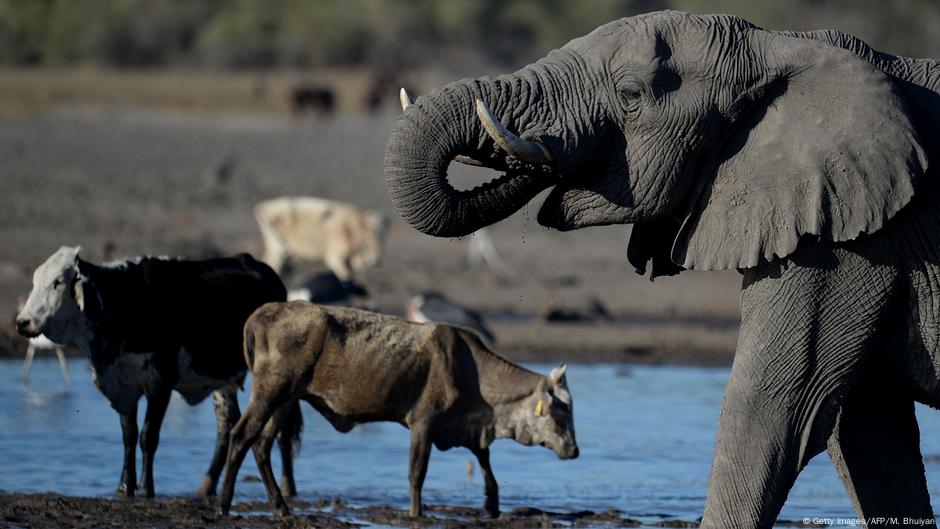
(261, 406)
(418, 465)
(63, 365)
(150, 436)
(128, 483)
(291, 425)
(489, 482)
(339, 264)
(262, 451)
(28, 363)
(226, 415)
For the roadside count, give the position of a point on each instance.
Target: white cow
(311, 229)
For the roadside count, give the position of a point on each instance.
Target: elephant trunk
(438, 128)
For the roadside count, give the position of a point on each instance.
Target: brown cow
(355, 366)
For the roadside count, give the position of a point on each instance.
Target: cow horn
(525, 150)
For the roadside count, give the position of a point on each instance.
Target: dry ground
(127, 171)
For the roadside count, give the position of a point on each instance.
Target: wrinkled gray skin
(799, 159)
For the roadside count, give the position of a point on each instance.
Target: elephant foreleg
(875, 447)
(807, 334)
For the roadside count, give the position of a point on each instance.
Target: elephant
(798, 158)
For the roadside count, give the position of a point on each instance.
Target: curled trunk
(440, 127)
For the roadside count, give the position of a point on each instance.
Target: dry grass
(28, 92)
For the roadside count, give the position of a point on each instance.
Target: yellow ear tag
(538, 409)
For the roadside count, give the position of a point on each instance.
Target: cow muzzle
(25, 327)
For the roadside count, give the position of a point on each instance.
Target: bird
(432, 306)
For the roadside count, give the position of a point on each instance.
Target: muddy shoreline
(53, 511)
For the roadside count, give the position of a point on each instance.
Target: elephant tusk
(407, 101)
(405, 98)
(529, 151)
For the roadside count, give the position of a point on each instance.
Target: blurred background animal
(313, 99)
(309, 229)
(433, 306)
(326, 288)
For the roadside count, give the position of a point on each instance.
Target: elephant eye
(629, 93)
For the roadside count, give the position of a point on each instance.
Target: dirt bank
(61, 512)
(52, 511)
(123, 181)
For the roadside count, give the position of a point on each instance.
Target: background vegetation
(399, 34)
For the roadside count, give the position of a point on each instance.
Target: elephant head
(723, 143)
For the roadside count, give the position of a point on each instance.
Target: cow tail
(292, 425)
(249, 348)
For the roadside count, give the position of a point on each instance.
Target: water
(646, 436)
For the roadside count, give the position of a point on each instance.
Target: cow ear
(80, 291)
(87, 298)
(827, 149)
(557, 376)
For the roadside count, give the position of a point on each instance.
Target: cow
(152, 325)
(355, 366)
(312, 229)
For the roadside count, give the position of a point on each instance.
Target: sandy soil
(126, 181)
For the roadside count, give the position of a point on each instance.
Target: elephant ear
(828, 150)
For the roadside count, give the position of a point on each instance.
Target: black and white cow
(152, 325)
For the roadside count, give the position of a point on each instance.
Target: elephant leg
(876, 450)
(226, 415)
(806, 334)
(150, 436)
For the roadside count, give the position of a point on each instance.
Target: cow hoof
(288, 489)
(282, 511)
(492, 515)
(145, 492)
(124, 491)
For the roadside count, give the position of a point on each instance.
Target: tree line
(401, 34)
